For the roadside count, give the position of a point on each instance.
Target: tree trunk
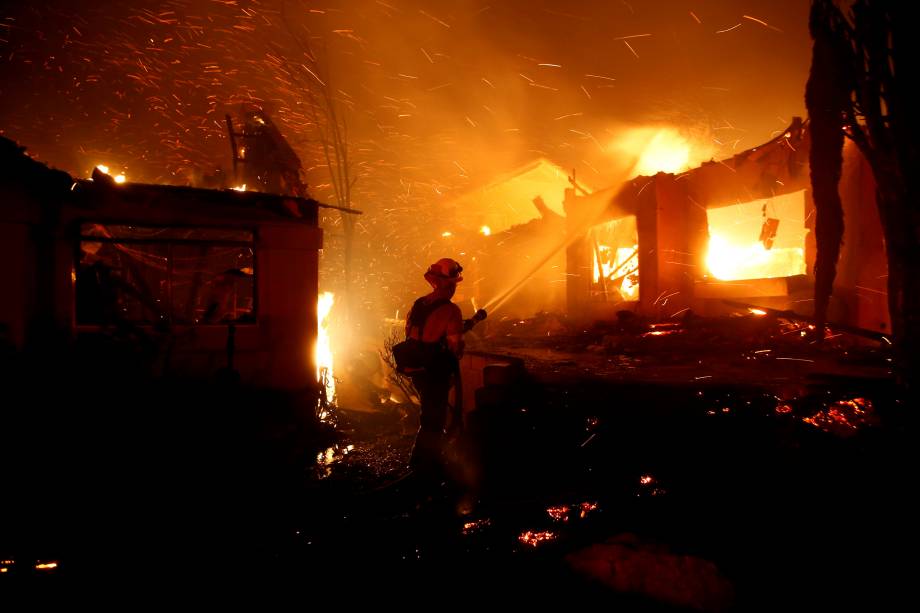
(901, 225)
(826, 159)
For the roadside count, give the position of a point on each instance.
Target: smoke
(439, 97)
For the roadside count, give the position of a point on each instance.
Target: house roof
(507, 199)
(165, 203)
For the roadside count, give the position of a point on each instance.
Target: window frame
(169, 243)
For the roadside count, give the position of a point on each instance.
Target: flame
(239, 188)
(757, 312)
(119, 178)
(760, 239)
(732, 261)
(617, 261)
(485, 230)
(447, 234)
(661, 149)
(323, 353)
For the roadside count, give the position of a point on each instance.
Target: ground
(724, 465)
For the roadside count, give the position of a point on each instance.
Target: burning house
(520, 217)
(213, 279)
(740, 229)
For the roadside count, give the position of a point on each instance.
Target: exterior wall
(18, 282)
(276, 351)
(861, 288)
(672, 240)
(287, 268)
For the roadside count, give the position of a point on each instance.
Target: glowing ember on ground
(646, 479)
(471, 527)
(120, 179)
(323, 352)
(560, 513)
(660, 332)
(585, 508)
(46, 565)
(844, 417)
(536, 538)
(783, 409)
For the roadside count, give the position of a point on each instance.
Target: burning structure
(518, 216)
(214, 279)
(741, 229)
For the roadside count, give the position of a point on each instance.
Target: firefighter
(438, 323)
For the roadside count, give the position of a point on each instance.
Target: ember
(534, 539)
(46, 566)
(844, 417)
(560, 513)
(472, 527)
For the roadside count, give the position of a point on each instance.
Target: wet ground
(636, 475)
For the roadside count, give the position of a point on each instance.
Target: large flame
(731, 260)
(655, 150)
(323, 354)
(737, 246)
(622, 263)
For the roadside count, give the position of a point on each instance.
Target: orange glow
(666, 152)
(46, 565)
(474, 526)
(658, 149)
(560, 513)
(618, 262)
(535, 538)
(728, 260)
(757, 311)
(844, 417)
(646, 479)
(323, 352)
(741, 247)
(119, 178)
